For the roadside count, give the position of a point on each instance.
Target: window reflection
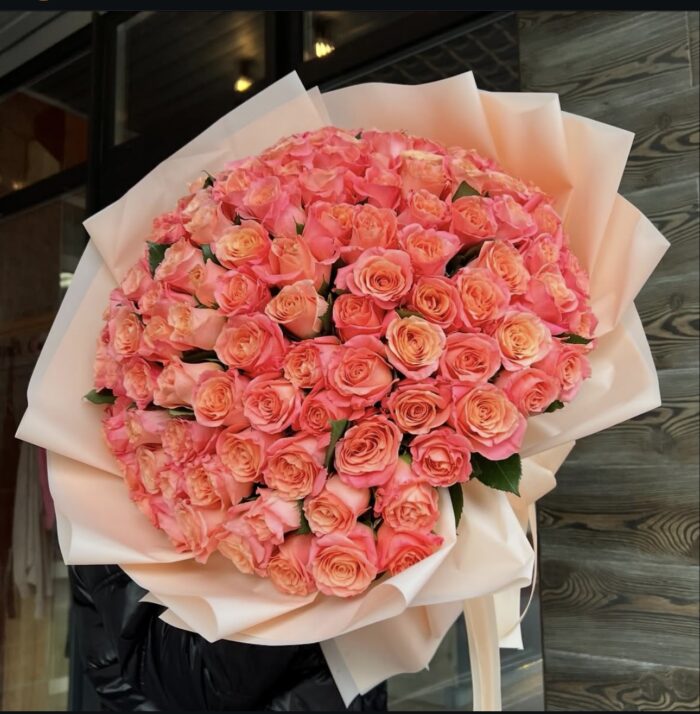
(43, 126)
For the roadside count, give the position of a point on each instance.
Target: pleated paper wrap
(397, 625)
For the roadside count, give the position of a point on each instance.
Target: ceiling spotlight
(244, 81)
(323, 44)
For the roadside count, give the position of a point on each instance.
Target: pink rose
(503, 260)
(107, 372)
(262, 197)
(244, 244)
(414, 346)
(298, 308)
(423, 170)
(473, 219)
(203, 218)
(146, 427)
(238, 293)
(491, 422)
(238, 542)
(272, 515)
(203, 280)
(531, 390)
(150, 462)
(125, 330)
(137, 280)
(406, 503)
(183, 439)
(470, 357)
(294, 465)
(385, 276)
(429, 250)
(372, 227)
(367, 454)
(336, 508)
(344, 564)
(175, 384)
(289, 570)
(291, 260)
(306, 362)
(195, 327)
(192, 529)
(358, 373)
(437, 300)
(398, 550)
(514, 222)
(426, 209)
(243, 453)
(358, 315)
(251, 343)
(323, 184)
(114, 427)
(542, 250)
(441, 457)
(181, 260)
(522, 339)
(566, 363)
(271, 403)
(319, 408)
(211, 484)
(380, 186)
(218, 398)
(550, 297)
(418, 407)
(157, 342)
(329, 224)
(484, 296)
(140, 379)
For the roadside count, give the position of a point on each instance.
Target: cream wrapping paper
(397, 625)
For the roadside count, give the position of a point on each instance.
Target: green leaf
(338, 427)
(299, 227)
(358, 135)
(156, 253)
(556, 404)
(406, 457)
(457, 498)
(573, 339)
(324, 289)
(464, 189)
(403, 312)
(209, 181)
(304, 527)
(236, 220)
(327, 319)
(209, 254)
(199, 356)
(465, 256)
(104, 396)
(502, 475)
(186, 412)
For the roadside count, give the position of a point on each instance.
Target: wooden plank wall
(619, 555)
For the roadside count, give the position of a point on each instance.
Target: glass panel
(44, 125)
(489, 50)
(325, 30)
(447, 686)
(170, 64)
(41, 247)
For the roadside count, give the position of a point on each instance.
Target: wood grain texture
(619, 535)
(602, 684)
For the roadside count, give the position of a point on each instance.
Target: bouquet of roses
(318, 338)
(333, 372)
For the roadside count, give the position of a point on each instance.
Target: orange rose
(243, 453)
(484, 296)
(423, 170)
(473, 220)
(503, 260)
(358, 315)
(491, 422)
(414, 346)
(522, 339)
(251, 343)
(299, 308)
(247, 243)
(437, 300)
(306, 362)
(418, 407)
(218, 399)
(288, 569)
(294, 466)
(472, 358)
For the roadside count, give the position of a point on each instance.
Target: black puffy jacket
(137, 662)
